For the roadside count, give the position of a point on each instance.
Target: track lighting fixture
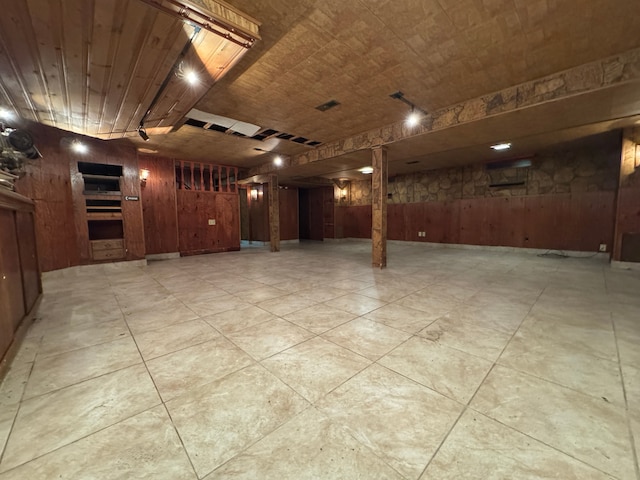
(416, 113)
(143, 133)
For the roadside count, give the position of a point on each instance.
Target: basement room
(362, 239)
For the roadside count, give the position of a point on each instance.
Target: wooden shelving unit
(103, 203)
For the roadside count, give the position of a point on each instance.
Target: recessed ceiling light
(277, 161)
(501, 146)
(366, 170)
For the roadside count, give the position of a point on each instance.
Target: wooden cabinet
(19, 272)
(102, 198)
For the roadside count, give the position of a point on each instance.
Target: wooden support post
(274, 213)
(379, 206)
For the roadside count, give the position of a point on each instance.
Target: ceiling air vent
(300, 140)
(195, 123)
(326, 106)
(285, 136)
(264, 134)
(314, 143)
(217, 128)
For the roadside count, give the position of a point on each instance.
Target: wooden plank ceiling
(94, 66)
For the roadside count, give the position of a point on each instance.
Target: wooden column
(379, 206)
(627, 212)
(274, 213)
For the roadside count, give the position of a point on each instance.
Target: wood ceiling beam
(599, 75)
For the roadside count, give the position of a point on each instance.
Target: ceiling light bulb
(366, 170)
(413, 119)
(277, 161)
(79, 147)
(191, 77)
(6, 114)
(501, 146)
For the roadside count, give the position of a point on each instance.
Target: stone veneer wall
(573, 171)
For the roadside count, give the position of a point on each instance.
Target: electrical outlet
(212, 221)
(603, 247)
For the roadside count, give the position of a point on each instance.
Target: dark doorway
(310, 201)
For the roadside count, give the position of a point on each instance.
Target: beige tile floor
(309, 364)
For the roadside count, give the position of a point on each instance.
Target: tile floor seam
(184, 448)
(632, 438)
(78, 439)
(163, 403)
(555, 382)
(495, 362)
(309, 406)
(15, 416)
(82, 381)
(429, 387)
(444, 439)
(542, 442)
(63, 352)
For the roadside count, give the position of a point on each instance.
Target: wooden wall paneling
(435, 223)
(289, 226)
(195, 208)
(227, 227)
(258, 214)
(11, 293)
(357, 221)
(244, 213)
(328, 215)
(79, 210)
(452, 214)
(471, 222)
(543, 229)
(396, 221)
(513, 222)
(594, 222)
(26, 235)
(339, 220)
(159, 208)
(47, 182)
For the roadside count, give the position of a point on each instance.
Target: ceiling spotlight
(501, 146)
(79, 147)
(413, 119)
(277, 161)
(143, 133)
(366, 170)
(416, 113)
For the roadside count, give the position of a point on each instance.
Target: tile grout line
(632, 439)
(162, 402)
(467, 405)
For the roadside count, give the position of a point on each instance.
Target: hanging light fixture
(416, 115)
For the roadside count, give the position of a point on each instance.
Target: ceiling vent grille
(326, 106)
(229, 126)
